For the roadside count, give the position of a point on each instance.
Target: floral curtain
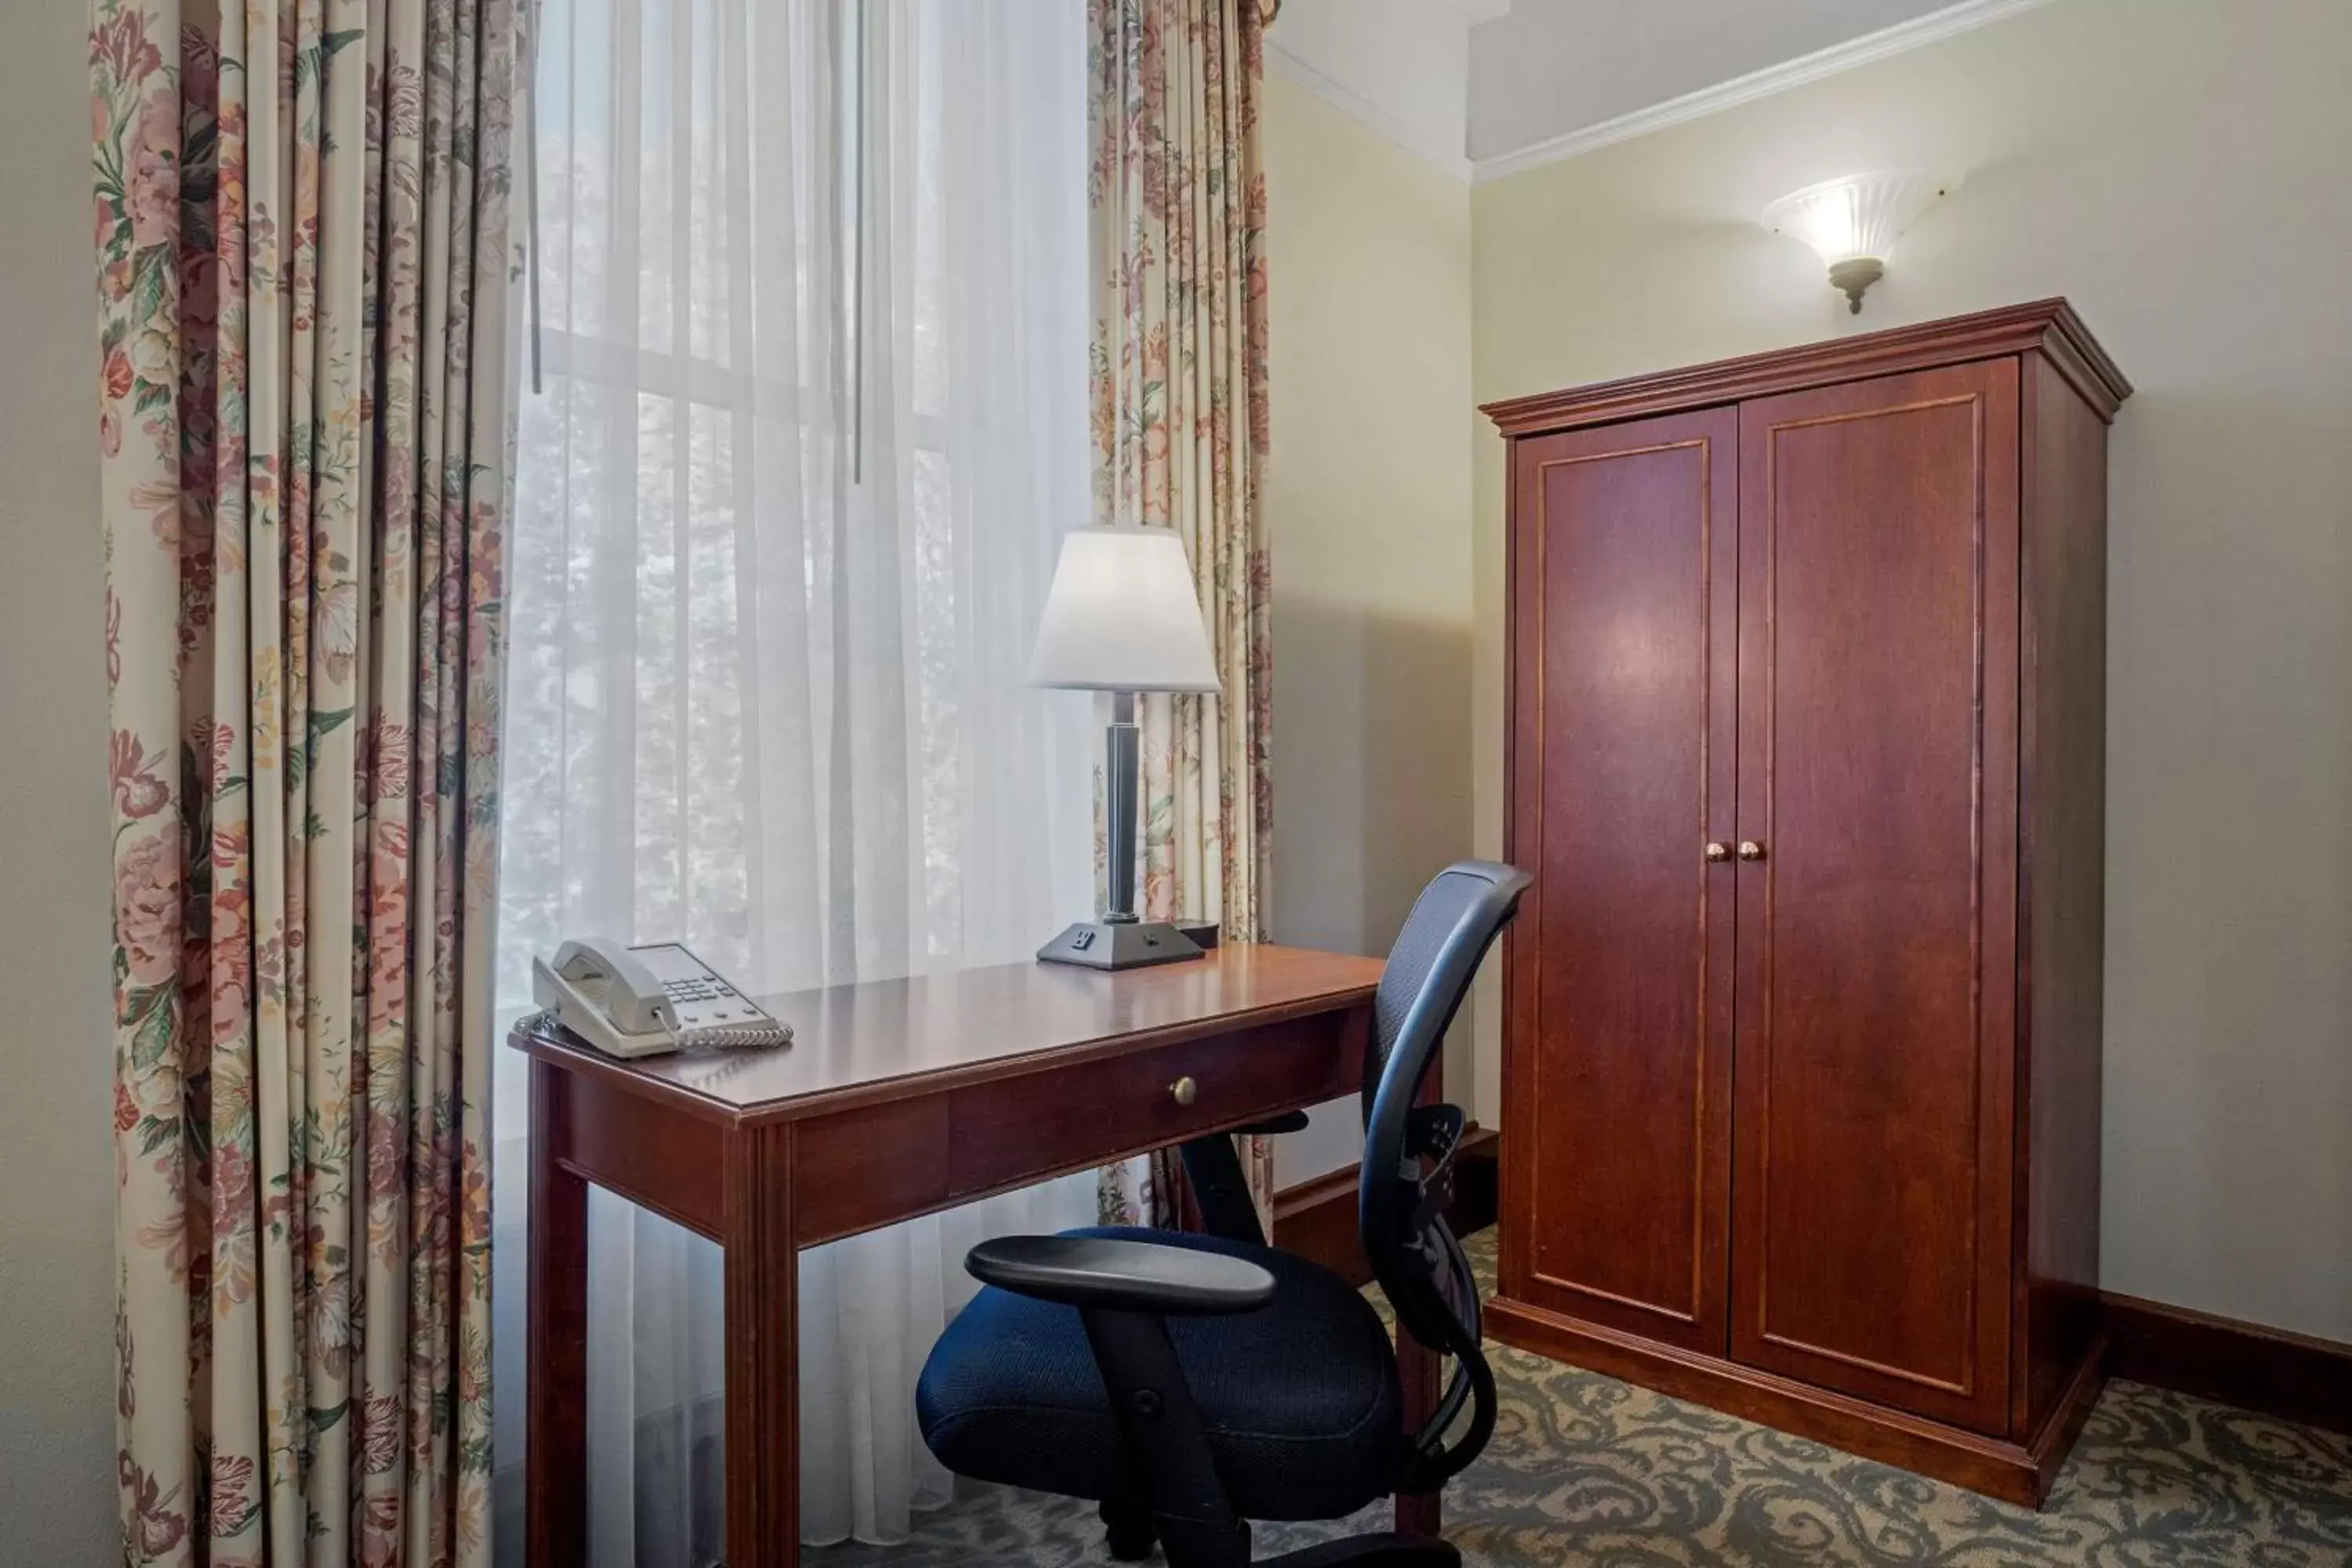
(1180, 430)
(301, 231)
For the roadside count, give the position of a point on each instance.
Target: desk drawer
(1019, 1129)
(865, 1167)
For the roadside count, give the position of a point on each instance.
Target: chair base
(1128, 1530)
(1373, 1551)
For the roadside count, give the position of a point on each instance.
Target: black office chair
(1188, 1383)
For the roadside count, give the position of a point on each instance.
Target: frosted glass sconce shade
(1853, 221)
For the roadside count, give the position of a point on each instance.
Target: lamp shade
(1855, 215)
(1122, 616)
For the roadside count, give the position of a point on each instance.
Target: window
(811, 417)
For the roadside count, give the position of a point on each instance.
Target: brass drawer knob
(1184, 1092)
(1750, 851)
(1716, 851)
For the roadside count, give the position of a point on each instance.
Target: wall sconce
(1854, 220)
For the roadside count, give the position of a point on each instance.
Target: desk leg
(555, 1448)
(763, 1471)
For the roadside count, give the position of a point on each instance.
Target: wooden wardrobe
(1800, 1064)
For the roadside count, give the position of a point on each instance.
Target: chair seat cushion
(1299, 1397)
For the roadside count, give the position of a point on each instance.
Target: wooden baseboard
(2015, 1472)
(2293, 1376)
(2051, 1446)
(1317, 1219)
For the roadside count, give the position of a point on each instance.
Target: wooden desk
(897, 1099)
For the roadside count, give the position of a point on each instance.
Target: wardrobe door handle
(1750, 851)
(1718, 851)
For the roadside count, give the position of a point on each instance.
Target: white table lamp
(1122, 616)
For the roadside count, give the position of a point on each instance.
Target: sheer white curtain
(813, 286)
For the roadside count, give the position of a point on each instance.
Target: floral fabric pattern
(301, 224)
(1178, 198)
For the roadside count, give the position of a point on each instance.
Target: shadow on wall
(1371, 798)
(1372, 768)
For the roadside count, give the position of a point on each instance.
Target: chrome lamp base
(1120, 944)
(1117, 939)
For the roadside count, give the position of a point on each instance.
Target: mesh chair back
(1407, 1150)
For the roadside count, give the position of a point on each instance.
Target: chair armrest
(1288, 1122)
(1102, 1272)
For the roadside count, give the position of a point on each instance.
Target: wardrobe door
(1618, 1068)
(1878, 681)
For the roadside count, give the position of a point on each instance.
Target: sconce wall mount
(1853, 277)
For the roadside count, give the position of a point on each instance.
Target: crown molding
(1356, 106)
(1900, 39)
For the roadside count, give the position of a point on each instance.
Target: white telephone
(641, 1001)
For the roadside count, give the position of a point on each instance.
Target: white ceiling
(1401, 66)
(1548, 68)
(1485, 86)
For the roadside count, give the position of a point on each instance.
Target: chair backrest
(1407, 1177)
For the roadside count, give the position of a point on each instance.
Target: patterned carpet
(1584, 1469)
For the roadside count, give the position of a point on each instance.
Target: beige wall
(57, 1296)
(1367, 496)
(2180, 172)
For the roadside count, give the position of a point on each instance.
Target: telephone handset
(641, 1001)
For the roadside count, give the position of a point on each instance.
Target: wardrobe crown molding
(2050, 326)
